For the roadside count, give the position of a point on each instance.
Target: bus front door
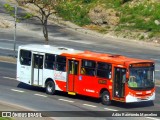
(37, 69)
(119, 82)
(73, 66)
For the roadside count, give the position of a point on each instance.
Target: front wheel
(105, 98)
(50, 87)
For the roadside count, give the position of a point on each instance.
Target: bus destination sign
(142, 65)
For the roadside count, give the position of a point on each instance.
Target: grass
(74, 11)
(137, 16)
(5, 118)
(141, 17)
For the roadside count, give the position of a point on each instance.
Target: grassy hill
(135, 19)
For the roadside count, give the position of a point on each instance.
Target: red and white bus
(105, 76)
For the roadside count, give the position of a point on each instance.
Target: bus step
(71, 93)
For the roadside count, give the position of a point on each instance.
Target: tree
(45, 9)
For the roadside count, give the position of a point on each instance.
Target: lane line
(89, 105)
(7, 48)
(110, 109)
(157, 85)
(66, 100)
(40, 95)
(17, 90)
(10, 78)
(7, 40)
(152, 118)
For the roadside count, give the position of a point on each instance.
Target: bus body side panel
(87, 85)
(47, 74)
(23, 72)
(58, 77)
(18, 67)
(91, 86)
(60, 80)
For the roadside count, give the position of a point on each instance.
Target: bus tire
(105, 98)
(50, 87)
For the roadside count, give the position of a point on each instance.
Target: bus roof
(48, 49)
(109, 58)
(72, 53)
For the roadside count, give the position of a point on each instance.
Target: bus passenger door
(37, 69)
(119, 82)
(73, 67)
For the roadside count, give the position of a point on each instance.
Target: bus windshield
(141, 78)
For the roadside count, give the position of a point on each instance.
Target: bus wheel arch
(50, 86)
(105, 97)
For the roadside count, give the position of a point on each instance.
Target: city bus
(109, 77)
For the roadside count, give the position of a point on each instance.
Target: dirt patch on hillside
(8, 59)
(5, 23)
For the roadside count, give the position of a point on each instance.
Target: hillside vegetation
(135, 19)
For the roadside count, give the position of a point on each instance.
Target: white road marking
(152, 118)
(110, 109)
(89, 105)
(6, 48)
(7, 40)
(40, 95)
(157, 70)
(66, 100)
(157, 85)
(17, 90)
(9, 78)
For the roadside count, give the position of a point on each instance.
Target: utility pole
(15, 23)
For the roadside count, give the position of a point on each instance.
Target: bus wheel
(105, 98)
(50, 87)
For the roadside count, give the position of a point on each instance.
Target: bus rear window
(25, 57)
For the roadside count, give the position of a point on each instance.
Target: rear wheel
(105, 98)
(50, 87)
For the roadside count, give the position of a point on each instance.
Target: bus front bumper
(130, 98)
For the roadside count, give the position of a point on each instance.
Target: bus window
(88, 67)
(25, 57)
(49, 61)
(104, 70)
(38, 61)
(61, 63)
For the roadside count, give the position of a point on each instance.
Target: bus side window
(61, 63)
(104, 70)
(25, 57)
(88, 67)
(50, 61)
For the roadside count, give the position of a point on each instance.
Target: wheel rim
(50, 88)
(106, 97)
